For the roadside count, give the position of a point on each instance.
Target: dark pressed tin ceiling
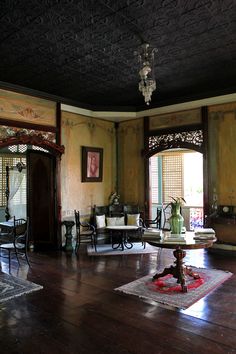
(83, 51)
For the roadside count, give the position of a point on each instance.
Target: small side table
(68, 235)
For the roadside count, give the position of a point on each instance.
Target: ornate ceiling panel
(83, 51)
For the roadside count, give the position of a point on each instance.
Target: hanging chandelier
(147, 83)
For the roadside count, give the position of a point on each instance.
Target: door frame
(55, 150)
(178, 137)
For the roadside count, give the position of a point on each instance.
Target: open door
(41, 199)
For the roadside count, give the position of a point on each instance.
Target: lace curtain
(17, 196)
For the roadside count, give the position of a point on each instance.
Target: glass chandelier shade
(147, 83)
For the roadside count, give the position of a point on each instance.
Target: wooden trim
(182, 128)
(58, 206)
(19, 124)
(55, 149)
(206, 207)
(147, 153)
(117, 181)
(147, 204)
(58, 123)
(178, 145)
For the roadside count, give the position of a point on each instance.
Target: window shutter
(154, 179)
(10, 160)
(172, 174)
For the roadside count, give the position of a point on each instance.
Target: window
(177, 173)
(9, 160)
(172, 177)
(154, 179)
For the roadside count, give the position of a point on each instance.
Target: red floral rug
(166, 291)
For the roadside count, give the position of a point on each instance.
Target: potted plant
(176, 219)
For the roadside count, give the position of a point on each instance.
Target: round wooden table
(179, 270)
(121, 233)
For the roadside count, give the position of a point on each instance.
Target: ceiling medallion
(147, 83)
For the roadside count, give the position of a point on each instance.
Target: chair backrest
(157, 221)
(158, 218)
(166, 212)
(21, 231)
(116, 210)
(132, 209)
(77, 219)
(20, 226)
(100, 210)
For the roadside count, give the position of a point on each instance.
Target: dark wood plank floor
(78, 310)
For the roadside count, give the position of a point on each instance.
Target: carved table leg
(178, 271)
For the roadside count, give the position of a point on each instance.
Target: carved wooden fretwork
(7, 131)
(37, 140)
(15, 135)
(187, 139)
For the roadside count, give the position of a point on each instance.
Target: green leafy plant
(178, 200)
(176, 203)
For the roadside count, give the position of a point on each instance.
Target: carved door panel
(41, 199)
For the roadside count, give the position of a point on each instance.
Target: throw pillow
(115, 221)
(100, 221)
(133, 219)
(120, 221)
(111, 221)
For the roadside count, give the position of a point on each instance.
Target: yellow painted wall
(24, 108)
(222, 157)
(130, 162)
(175, 119)
(78, 131)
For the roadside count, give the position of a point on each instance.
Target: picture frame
(92, 164)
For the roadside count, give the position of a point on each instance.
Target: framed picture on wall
(92, 164)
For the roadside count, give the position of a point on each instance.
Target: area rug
(11, 287)
(166, 291)
(107, 250)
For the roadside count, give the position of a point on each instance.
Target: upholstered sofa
(111, 215)
(117, 215)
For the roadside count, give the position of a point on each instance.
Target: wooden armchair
(156, 222)
(85, 232)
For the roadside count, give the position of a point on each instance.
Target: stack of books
(180, 238)
(151, 234)
(204, 234)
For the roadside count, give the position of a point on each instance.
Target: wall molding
(124, 116)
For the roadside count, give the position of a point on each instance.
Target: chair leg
(17, 256)
(27, 258)
(95, 241)
(77, 244)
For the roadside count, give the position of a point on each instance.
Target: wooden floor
(78, 310)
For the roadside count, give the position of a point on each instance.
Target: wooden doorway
(41, 199)
(53, 165)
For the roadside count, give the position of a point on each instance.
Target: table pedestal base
(122, 241)
(179, 271)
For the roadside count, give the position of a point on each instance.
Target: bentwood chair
(85, 232)
(166, 213)
(19, 243)
(156, 222)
